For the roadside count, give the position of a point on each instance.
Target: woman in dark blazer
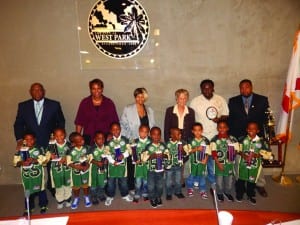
(180, 116)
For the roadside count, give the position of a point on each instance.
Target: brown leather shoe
(262, 191)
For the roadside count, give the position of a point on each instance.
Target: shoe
(158, 202)
(75, 203)
(68, 204)
(25, 214)
(252, 200)
(146, 199)
(135, 200)
(43, 210)
(203, 195)
(180, 195)
(108, 201)
(220, 197)
(87, 201)
(262, 191)
(190, 192)
(183, 185)
(238, 199)
(60, 205)
(102, 198)
(169, 197)
(229, 197)
(127, 198)
(153, 203)
(95, 201)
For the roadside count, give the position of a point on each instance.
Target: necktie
(38, 112)
(246, 105)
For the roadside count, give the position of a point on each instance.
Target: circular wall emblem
(119, 28)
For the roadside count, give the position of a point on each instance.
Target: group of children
(97, 169)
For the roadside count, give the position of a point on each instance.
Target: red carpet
(170, 217)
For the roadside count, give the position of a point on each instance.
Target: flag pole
(282, 178)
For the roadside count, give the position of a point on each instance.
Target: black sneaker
(252, 200)
(220, 197)
(135, 200)
(229, 197)
(146, 199)
(158, 202)
(25, 214)
(95, 201)
(180, 195)
(43, 210)
(102, 198)
(169, 197)
(153, 203)
(239, 199)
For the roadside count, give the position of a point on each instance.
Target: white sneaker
(68, 204)
(108, 201)
(87, 201)
(127, 198)
(60, 206)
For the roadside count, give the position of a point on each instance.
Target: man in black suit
(244, 108)
(40, 116)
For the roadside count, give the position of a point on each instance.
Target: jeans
(141, 188)
(200, 179)
(210, 170)
(155, 184)
(173, 180)
(111, 186)
(97, 192)
(43, 201)
(224, 184)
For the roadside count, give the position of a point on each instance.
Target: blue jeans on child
(224, 184)
(200, 179)
(155, 184)
(210, 170)
(173, 180)
(141, 187)
(111, 186)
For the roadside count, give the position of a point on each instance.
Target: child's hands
(120, 157)
(28, 162)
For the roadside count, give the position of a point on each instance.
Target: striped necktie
(38, 112)
(246, 105)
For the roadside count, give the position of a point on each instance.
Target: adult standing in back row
(244, 108)
(95, 113)
(209, 109)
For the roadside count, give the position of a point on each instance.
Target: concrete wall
(225, 40)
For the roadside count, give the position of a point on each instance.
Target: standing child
(199, 151)
(78, 160)
(155, 153)
(119, 150)
(141, 170)
(249, 163)
(60, 173)
(99, 169)
(30, 159)
(177, 151)
(224, 147)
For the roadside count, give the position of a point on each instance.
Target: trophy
(200, 155)
(269, 126)
(249, 161)
(159, 161)
(179, 151)
(24, 151)
(53, 148)
(134, 154)
(83, 162)
(101, 169)
(118, 153)
(230, 152)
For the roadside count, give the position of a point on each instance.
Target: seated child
(59, 171)
(224, 147)
(119, 150)
(78, 160)
(198, 151)
(99, 169)
(31, 159)
(177, 150)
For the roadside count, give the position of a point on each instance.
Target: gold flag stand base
(298, 179)
(283, 179)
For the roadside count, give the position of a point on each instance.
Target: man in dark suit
(40, 116)
(244, 108)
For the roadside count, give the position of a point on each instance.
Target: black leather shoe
(262, 191)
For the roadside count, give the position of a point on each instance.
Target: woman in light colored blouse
(136, 114)
(180, 116)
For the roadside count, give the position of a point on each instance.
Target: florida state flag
(291, 94)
